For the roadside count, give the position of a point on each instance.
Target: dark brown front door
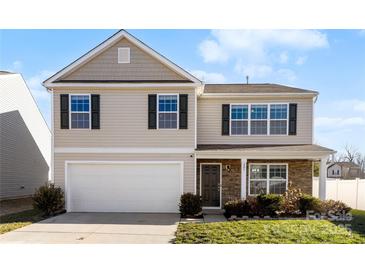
(211, 185)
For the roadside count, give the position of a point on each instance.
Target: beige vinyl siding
(105, 66)
(209, 123)
(124, 122)
(189, 177)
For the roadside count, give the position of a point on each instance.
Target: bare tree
(351, 154)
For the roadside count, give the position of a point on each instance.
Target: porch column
(322, 179)
(243, 177)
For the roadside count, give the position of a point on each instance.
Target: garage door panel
(124, 187)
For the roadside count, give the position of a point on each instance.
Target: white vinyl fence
(351, 192)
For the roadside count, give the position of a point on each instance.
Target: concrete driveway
(98, 228)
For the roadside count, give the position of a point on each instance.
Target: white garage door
(123, 187)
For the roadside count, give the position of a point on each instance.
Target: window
(239, 119)
(333, 172)
(267, 178)
(278, 119)
(338, 172)
(259, 119)
(167, 111)
(80, 111)
(124, 55)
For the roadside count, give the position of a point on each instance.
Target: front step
(212, 211)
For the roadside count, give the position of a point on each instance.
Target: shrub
(307, 202)
(190, 205)
(237, 207)
(335, 207)
(49, 199)
(290, 204)
(268, 204)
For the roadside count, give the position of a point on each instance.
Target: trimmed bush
(190, 205)
(238, 208)
(49, 199)
(335, 207)
(309, 203)
(269, 204)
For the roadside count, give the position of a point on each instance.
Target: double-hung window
(80, 111)
(268, 178)
(239, 119)
(168, 111)
(258, 119)
(278, 119)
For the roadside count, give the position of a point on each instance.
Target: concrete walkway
(94, 228)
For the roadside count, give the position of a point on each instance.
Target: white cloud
(301, 60)
(16, 66)
(253, 71)
(212, 52)
(287, 75)
(255, 42)
(283, 57)
(338, 122)
(35, 85)
(354, 105)
(209, 77)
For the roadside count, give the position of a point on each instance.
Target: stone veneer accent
(231, 180)
(300, 175)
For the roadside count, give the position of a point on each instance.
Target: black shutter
(183, 111)
(292, 119)
(95, 111)
(64, 108)
(225, 119)
(152, 111)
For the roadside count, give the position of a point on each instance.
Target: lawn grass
(17, 220)
(274, 232)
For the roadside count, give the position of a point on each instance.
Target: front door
(211, 185)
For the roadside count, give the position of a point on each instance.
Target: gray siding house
(25, 140)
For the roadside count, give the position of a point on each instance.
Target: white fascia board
(140, 150)
(121, 85)
(119, 35)
(261, 155)
(240, 95)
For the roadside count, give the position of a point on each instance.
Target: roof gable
(101, 65)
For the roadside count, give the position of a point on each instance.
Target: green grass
(274, 232)
(17, 220)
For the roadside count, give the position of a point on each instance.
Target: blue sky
(329, 61)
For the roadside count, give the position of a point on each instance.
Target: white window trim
(129, 55)
(267, 176)
(268, 133)
(287, 119)
(260, 120)
(230, 119)
(70, 111)
(177, 111)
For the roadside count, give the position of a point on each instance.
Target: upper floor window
(258, 119)
(168, 111)
(80, 111)
(278, 119)
(239, 119)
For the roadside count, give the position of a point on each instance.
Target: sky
(331, 62)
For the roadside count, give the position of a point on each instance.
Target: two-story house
(132, 131)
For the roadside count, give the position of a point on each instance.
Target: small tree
(49, 199)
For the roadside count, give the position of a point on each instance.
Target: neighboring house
(344, 170)
(25, 140)
(133, 131)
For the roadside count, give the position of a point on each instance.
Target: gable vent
(124, 55)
